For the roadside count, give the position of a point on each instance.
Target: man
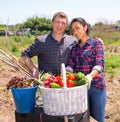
(51, 49)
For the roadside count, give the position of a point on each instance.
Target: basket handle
(63, 74)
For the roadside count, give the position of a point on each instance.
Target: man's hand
(102, 42)
(35, 73)
(32, 67)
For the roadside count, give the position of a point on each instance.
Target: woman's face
(78, 30)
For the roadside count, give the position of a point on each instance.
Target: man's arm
(30, 64)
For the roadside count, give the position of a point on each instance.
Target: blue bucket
(24, 99)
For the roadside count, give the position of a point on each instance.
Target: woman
(87, 56)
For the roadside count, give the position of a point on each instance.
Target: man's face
(59, 25)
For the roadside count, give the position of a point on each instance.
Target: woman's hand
(89, 80)
(69, 69)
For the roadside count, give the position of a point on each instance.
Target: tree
(36, 23)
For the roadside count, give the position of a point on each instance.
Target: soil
(7, 108)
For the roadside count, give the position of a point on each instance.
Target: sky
(93, 11)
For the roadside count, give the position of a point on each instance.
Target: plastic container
(24, 99)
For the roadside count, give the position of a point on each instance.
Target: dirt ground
(7, 108)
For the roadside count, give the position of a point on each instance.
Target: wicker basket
(64, 101)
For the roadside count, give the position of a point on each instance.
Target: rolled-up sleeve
(99, 58)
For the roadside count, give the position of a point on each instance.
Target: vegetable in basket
(55, 85)
(72, 79)
(79, 78)
(51, 81)
(44, 75)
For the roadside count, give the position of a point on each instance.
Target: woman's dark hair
(81, 21)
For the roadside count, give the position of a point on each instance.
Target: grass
(112, 64)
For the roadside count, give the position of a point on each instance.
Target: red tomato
(70, 77)
(59, 80)
(58, 77)
(67, 77)
(60, 83)
(70, 83)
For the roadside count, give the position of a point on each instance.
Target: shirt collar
(55, 40)
(89, 41)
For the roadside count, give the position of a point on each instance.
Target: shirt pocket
(87, 56)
